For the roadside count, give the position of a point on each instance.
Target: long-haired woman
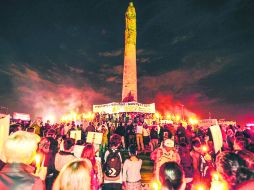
(96, 173)
(74, 176)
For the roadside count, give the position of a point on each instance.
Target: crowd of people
(44, 156)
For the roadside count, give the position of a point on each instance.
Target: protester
(233, 168)
(130, 132)
(113, 165)
(195, 149)
(240, 143)
(74, 176)
(163, 154)
(154, 137)
(131, 171)
(65, 156)
(104, 143)
(187, 164)
(196, 154)
(47, 150)
(96, 172)
(165, 133)
(146, 138)
(78, 148)
(19, 151)
(171, 176)
(120, 130)
(139, 137)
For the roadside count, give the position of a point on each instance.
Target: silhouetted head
(171, 176)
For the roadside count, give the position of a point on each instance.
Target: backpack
(113, 166)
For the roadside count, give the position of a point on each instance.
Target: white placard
(76, 135)
(94, 138)
(4, 132)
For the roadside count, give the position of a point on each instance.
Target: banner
(124, 107)
(223, 122)
(207, 122)
(21, 116)
(4, 132)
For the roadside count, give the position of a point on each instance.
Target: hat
(169, 143)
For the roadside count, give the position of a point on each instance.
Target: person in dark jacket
(181, 134)
(19, 151)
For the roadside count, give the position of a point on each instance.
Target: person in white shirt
(78, 148)
(139, 136)
(131, 171)
(64, 157)
(146, 137)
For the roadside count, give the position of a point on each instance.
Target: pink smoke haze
(44, 97)
(52, 93)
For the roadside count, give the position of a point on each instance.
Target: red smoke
(166, 103)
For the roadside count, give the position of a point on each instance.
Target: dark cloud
(115, 53)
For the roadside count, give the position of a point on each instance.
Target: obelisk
(130, 67)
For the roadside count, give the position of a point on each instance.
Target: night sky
(63, 55)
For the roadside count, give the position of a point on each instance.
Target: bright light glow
(204, 148)
(200, 187)
(178, 117)
(218, 185)
(73, 116)
(37, 160)
(89, 116)
(168, 116)
(193, 121)
(217, 182)
(156, 185)
(157, 115)
(250, 124)
(216, 176)
(51, 118)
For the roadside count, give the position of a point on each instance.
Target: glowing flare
(156, 185)
(193, 121)
(157, 115)
(37, 160)
(168, 116)
(216, 176)
(51, 118)
(201, 187)
(205, 148)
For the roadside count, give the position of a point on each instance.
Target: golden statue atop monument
(129, 91)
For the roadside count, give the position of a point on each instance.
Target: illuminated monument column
(129, 92)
